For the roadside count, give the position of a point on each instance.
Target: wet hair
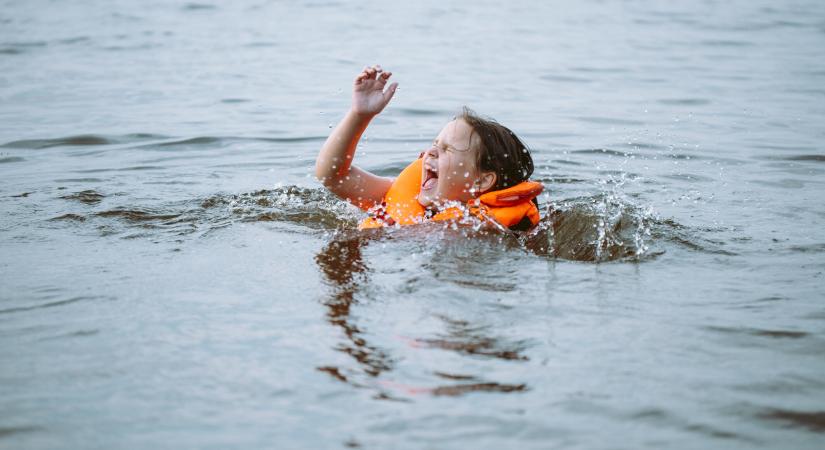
(500, 151)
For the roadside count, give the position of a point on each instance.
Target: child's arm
(333, 166)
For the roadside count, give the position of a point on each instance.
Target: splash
(609, 226)
(598, 229)
(290, 206)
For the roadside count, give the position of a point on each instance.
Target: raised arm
(334, 164)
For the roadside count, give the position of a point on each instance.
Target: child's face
(449, 171)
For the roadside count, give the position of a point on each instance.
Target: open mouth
(429, 179)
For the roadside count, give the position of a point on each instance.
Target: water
(171, 272)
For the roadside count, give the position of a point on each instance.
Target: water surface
(171, 272)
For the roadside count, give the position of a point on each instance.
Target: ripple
(695, 243)
(72, 334)
(813, 421)
(120, 169)
(206, 141)
(16, 48)
(137, 215)
(566, 79)
(602, 151)
(477, 347)
(461, 389)
(11, 159)
(725, 43)
(70, 217)
(587, 69)
(811, 248)
(608, 120)
(784, 183)
(684, 101)
(688, 177)
(235, 100)
(451, 376)
(311, 209)
(8, 431)
(420, 112)
(687, 156)
(79, 180)
(74, 40)
(198, 6)
(260, 44)
(660, 417)
(89, 197)
(202, 140)
(79, 140)
(636, 145)
(47, 305)
(775, 334)
(452, 390)
(786, 385)
(293, 139)
(813, 158)
(559, 179)
(462, 337)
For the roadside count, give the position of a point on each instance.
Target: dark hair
(501, 151)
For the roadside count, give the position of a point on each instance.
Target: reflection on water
(341, 261)
(464, 338)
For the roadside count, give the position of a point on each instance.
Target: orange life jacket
(400, 206)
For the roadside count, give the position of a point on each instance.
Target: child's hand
(368, 95)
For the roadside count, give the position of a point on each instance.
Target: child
(474, 168)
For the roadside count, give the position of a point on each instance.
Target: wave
(156, 141)
(599, 228)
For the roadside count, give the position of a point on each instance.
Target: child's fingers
(366, 71)
(390, 92)
(383, 77)
(374, 73)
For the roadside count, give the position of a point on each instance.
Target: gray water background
(171, 274)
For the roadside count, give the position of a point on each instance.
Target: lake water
(172, 275)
